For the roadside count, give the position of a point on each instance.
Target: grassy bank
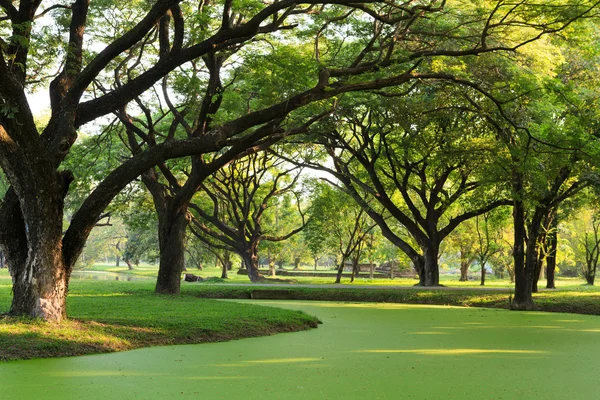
(115, 316)
(578, 299)
(150, 270)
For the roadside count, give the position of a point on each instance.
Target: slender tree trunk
(338, 277)
(464, 266)
(354, 269)
(226, 265)
(316, 262)
(551, 256)
(171, 239)
(539, 264)
(482, 274)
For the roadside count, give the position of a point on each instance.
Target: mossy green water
(362, 351)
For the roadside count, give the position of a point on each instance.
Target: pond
(362, 351)
(108, 276)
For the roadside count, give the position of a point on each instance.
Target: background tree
(426, 169)
(335, 217)
(238, 196)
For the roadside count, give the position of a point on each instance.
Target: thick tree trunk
(431, 267)
(523, 299)
(41, 278)
(171, 238)
(250, 259)
(464, 271)
(419, 266)
(465, 263)
(590, 277)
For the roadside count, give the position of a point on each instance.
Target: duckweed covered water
(362, 351)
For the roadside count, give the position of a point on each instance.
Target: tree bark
(523, 299)
(250, 259)
(464, 269)
(340, 271)
(551, 257)
(226, 265)
(430, 266)
(41, 278)
(171, 239)
(482, 283)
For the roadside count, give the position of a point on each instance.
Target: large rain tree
(72, 51)
(238, 197)
(423, 171)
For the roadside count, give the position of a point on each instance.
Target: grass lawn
(112, 316)
(151, 270)
(362, 351)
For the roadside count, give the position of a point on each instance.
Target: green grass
(151, 270)
(114, 316)
(579, 299)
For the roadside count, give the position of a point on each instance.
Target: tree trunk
(316, 262)
(482, 274)
(539, 263)
(338, 277)
(354, 269)
(226, 265)
(430, 266)
(171, 239)
(296, 263)
(250, 259)
(129, 264)
(551, 256)
(419, 266)
(464, 266)
(523, 299)
(41, 278)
